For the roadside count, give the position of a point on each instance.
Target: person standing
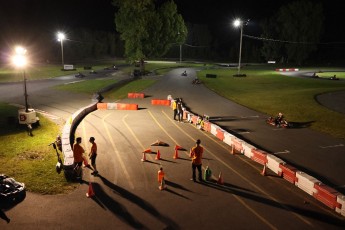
(196, 155)
(179, 110)
(78, 152)
(174, 107)
(93, 155)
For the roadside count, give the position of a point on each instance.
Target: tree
(148, 30)
(299, 27)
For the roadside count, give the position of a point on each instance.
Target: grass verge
(30, 159)
(269, 92)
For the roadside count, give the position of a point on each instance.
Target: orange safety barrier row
(236, 145)
(326, 195)
(259, 156)
(207, 126)
(136, 95)
(288, 172)
(160, 102)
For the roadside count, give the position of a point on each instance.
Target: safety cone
(177, 147)
(90, 192)
(147, 150)
(86, 164)
(264, 170)
(176, 154)
(220, 179)
(158, 155)
(232, 149)
(162, 185)
(144, 157)
(160, 175)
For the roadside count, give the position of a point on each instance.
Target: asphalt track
(127, 194)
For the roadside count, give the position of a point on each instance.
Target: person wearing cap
(93, 155)
(196, 155)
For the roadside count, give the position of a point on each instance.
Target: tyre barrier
(117, 106)
(160, 102)
(312, 186)
(136, 95)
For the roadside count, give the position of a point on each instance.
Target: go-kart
(282, 123)
(11, 191)
(184, 73)
(79, 75)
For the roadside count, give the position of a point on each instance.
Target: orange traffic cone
(264, 170)
(220, 179)
(160, 175)
(144, 157)
(177, 147)
(147, 150)
(162, 185)
(158, 155)
(86, 164)
(232, 149)
(176, 154)
(90, 192)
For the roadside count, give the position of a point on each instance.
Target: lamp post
(180, 47)
(240, 23)
(60, 38)
(19, 60)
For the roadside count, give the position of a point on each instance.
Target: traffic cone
(90, 192)
(158, 155)
(86, 164)
(144, 157)
(177, 147)
(162, 185)
(160, 175)
(232, 149)
(220, 179)
(264, 170)
(147, 150)
(176, 154)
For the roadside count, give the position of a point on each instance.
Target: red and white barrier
(228, 138)
(273, 163)
(220, 134)
(288, 172)
(259, 156)
(306, 182)
(326, 195)
(237, 145)
(213, 130)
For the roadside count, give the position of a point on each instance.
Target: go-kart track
(126, 193)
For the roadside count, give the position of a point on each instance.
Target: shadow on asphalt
(330, 219)
(119, 210)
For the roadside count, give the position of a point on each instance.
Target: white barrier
(306, 182)
(273, 163)
(341, 201)
(214, 129)
(227, 138)
(247, 149)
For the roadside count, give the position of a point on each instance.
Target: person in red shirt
(93, 155)
(196, 155)
(78, 152)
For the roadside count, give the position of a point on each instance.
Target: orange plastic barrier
(194, 119)
(288, 172)
(220, 134)
(101, 105)
(236, 146)
(259, 156)
(136, 95)
(326, 195)
(121, 106)
(160, 102)
(207, 127)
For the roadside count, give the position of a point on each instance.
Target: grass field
(270, 92)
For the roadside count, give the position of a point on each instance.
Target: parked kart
(282, 123)
(11, 191)
(196, 81)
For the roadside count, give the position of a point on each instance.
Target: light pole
(19, 60)
(180, 47)
(60, 38)
(240, 23)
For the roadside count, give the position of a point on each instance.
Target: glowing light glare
(61, 36)
(237, 22)
(20, 50)
(19, 60)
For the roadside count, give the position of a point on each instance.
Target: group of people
(79, 158)
(177, 106)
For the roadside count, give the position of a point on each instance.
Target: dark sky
(48, 16)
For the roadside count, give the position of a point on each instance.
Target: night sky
(22, 17)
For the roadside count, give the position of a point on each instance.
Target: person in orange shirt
(196, 155)
(93, 155)
(78, 152)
